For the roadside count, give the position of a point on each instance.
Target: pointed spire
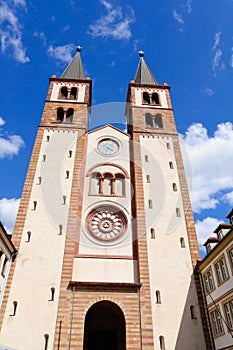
(75, 68)
(144, 74)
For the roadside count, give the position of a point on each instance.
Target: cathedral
(105, 234)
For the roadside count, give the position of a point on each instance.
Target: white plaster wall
(169, 265)
(90, 246)
(57, 86)
(3, 279)
(39, 262)
(160, 92)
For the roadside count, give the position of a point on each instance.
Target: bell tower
(166, 244)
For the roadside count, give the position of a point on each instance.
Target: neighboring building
(105, 231)
(217, 275)
(7, 253)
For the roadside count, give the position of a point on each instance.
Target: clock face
(108, 146)
(106, 223)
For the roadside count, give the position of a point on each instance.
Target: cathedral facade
(105, 234)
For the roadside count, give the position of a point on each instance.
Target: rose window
(106, 223)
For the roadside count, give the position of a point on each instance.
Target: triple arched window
(66, 116)
(68, 93)
(154, 121)
(107, 184)
(150, 99)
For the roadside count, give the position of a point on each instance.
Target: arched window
(60, 114)
(158, 122)
(149, 120)
(155, 98)
(182, 242)
(70, 115)
(120, 185)
(95, 184)
(161, 343)
(158, 297)
(174, 187)
(73, 93)
(146, 98)
(193, 312)
(64, 92)
(107, 184)
(152, 233)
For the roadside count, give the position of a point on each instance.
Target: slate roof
(75, 68)
(144, 74)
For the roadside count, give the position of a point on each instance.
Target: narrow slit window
(34, 205)
(46, 341)
(60, 229)
(15, 304)
(158, 297)
(70, 154)
(148, 178)
(174, 187)
(39, 180)
(168, 145)
(67, 174)
(161, 343)
(152, 233)
(182, 242)
(178, 212)
(44, 157)
(193, 312)
(171, 165)
(29, 236)
(150, 203)
(64, 199)
(47, 138)
(146, 158)
(52, 294)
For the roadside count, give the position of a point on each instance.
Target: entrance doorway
(104, 327)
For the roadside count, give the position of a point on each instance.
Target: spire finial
(79, 48)
(141, 53)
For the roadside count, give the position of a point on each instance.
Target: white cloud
(10, 32)
(9, 145)
(188, 6)
(205, 229)
(178, 17)
(8, 212)
(217, 38)
(231, 59)
(207, 91)
(115, 24)
(62, 53)
(2, 121)
(211, 162)
(217, 63)
(228, 197)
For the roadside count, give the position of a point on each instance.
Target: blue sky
(188, 44)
